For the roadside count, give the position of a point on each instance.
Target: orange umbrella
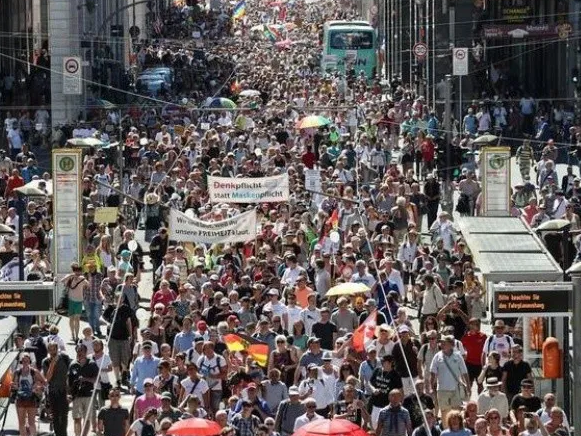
(195, 426)
(328, 427)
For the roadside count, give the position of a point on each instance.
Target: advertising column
(495, 164)
(67, 209)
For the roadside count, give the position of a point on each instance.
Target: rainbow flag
(239, 10)
(276, 31)
(236, 87)
(258, 350)
(267, 32)
(333, 220)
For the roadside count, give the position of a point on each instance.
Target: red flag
(365, 332)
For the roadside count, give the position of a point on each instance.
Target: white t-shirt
(104, 374)
(212, 366)
(309, 318)
(196, 388)
(277, 309)
(502, 345)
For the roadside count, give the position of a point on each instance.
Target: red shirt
(308, 159)
(474, 344)
(13, 183)
(428, 151)
(163, 298)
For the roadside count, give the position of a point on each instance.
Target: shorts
(28, 403)
(449, 399)
(473, 371)
(75, 307)
(119, 352)
(81, 406)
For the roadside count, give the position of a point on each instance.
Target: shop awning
(505, 249)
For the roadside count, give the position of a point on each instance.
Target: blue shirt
(433, 127)
(143, 368)
(29, 172)
(183, 341)
(258, 402)
(462, 432)
(470, 125)
(395, 421)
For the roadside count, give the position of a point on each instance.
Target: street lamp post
(575, 273)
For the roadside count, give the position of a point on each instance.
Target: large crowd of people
(157, 313)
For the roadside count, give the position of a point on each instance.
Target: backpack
(491, 337)
(148, 429)
(41, 351)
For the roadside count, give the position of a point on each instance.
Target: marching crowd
(406, 356)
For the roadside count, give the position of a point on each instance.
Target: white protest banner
(239, 228)
(248, 190)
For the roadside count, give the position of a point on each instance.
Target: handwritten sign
(106, 215)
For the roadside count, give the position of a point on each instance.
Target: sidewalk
(145, 290)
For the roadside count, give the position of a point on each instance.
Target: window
(351, 40)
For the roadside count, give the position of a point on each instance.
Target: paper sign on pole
(106, 215)
(240, 228)
(72, 76)
(313, 183)
(248, 190)
(460, 61)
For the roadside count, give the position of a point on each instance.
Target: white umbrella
(486, 139)
(36, 183)
(86, 142)
(250, 93)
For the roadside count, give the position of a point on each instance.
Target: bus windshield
(351, 40)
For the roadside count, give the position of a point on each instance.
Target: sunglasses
(311, 406)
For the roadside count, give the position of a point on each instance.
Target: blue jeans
(93, 310)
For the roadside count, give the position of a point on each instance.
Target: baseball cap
(166, 396)
(293, 390)
(147, 344)
(403, 329)
(148, 381)
(312, 339)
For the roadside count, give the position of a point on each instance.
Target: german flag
(258, 350)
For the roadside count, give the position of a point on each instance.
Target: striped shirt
(524, 155)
